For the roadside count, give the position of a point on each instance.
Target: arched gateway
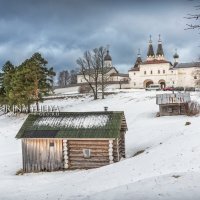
(147, 83)
(162, 83)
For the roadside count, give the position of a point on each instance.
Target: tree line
(27, 83)
(67, 77)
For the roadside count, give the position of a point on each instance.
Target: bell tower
(160, 52)
(150, 52)
(108, 59)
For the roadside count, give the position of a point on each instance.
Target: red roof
(155, 61)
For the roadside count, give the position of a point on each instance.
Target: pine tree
(41, 77)
(27, 83)
(5, 83)
(22, 87)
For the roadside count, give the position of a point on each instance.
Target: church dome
(107, 57)
(176, 55)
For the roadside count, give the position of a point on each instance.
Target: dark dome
(176, 55)
(107, 57)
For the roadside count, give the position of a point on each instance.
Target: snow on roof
(172, 98)
(73, 125)
(92, 121)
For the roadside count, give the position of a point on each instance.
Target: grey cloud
(62, 30)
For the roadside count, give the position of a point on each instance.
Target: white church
(157, 70)
(154, 70)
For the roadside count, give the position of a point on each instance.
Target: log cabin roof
(176, 98)
(73, 125)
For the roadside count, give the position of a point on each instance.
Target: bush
(190, 89)
(193, 108)
(179, 88)
(84, 89)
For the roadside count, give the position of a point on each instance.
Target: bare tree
(90, 70)
(73, 76)
(93, 70)
(63, 78)
(195, 17)
(104, 69)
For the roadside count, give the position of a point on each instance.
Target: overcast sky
(61, 30)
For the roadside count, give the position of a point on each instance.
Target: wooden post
(65, 154)
(110, 151)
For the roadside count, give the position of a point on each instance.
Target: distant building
(112, 75)
(78, 140)
(173, 104)
(157, 70)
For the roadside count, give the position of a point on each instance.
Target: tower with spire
(138, 60)
(150, 53)
(108, 59)
(176, 57)
(160, 52)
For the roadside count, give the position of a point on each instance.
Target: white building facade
(157, 70)
(112, 75)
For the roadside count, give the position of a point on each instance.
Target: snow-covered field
(169, 167)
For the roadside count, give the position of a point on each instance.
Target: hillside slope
(169, 167)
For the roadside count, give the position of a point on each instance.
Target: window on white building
(134, 73)
(195, 77)
(158, 71)
(151, 72)
(163, 71)
(145, 72)
(134, 83)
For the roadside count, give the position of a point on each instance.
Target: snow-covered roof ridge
(172, 98)
(105, 124)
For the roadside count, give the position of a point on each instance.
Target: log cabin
(72, 140)
(173, 104)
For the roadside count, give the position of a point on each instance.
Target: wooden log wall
(57, 154)
(99, 153)
(122, 138)
(170, 110)
(122, 145)
(116, 150)
(119, 147)
(42, 155)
